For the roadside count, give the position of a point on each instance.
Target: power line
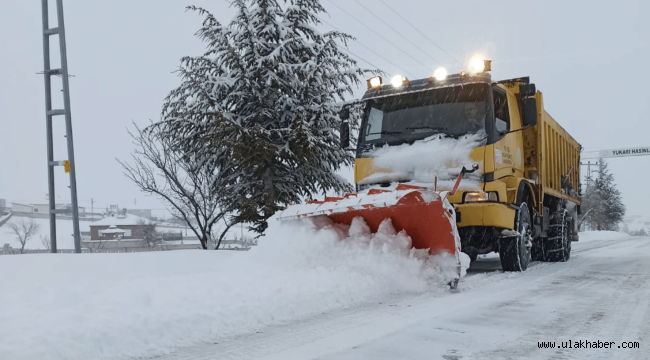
(396, 31)
(378, 34)
(368, 48)
(359, 57)
(353, 54)
(229, 2)
(348, 51)
(421, 33)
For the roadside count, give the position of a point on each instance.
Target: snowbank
(4, 218)
(114, 306)
(635, 223)
(445, 159)
(601, 235)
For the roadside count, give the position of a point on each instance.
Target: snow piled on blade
(386, 257)
(421, 162)
(115, 306)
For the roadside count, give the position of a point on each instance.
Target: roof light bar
(374, 83)
(440, 74)
(399, 80)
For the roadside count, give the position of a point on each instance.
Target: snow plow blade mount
(425, 215)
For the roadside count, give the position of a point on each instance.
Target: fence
(241, 242)
(8, 250)
(12, 251)
(172, 236)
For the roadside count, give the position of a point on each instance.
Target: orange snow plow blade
(422, 213)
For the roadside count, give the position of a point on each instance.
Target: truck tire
(558, 245)
(537, 252)
(515, 251)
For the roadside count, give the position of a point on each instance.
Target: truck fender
(526, 187)
(521, 192)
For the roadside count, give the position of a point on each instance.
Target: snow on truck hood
(424, 160)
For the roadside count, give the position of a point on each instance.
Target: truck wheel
(558, 244)
(537, 252)
(515, 251)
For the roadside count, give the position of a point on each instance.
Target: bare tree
(182, 183)
(94, 245)
(45, 240)
(24, 229)
(147, 232)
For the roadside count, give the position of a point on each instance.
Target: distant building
(82, 210)
(144, 213)
(22, 208)
(114, 210)
(43, 208)
(3, 207)
(114, 227)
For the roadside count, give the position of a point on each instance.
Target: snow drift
(602, 235)
(114, 306)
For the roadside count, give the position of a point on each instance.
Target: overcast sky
(589, 58)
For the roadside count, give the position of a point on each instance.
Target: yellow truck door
(508, 150)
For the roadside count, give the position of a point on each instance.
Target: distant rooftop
(121, 220)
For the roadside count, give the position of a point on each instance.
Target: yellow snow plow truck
(524, 200)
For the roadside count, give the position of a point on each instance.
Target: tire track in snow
(492, 264)
(629, 312)
(358, 321)
(277, 338)
(336, 331)
(593, 311)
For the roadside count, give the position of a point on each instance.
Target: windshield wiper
(386, 132)
(436, 128)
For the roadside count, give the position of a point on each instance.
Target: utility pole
(588, 164)
(589, 180)
(69, 165)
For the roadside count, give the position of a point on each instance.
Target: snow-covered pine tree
(604, 201)
(260, 105)
(590, 208)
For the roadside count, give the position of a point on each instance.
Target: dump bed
(552, 157)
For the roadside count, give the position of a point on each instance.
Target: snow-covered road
(601, 295)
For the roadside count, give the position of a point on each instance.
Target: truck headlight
(476, 64)
(440, 74)
(399, 80)
(479, 64)
(480, 196)
(374, 82)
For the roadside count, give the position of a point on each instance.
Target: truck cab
(510, 209)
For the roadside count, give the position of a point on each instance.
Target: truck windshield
(454, 111)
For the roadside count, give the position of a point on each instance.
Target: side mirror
(527, 90)
(344, 114)
(345, 135)
(528, 105)
(529, 112)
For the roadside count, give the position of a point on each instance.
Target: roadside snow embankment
(110, 306)
(601, 235)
